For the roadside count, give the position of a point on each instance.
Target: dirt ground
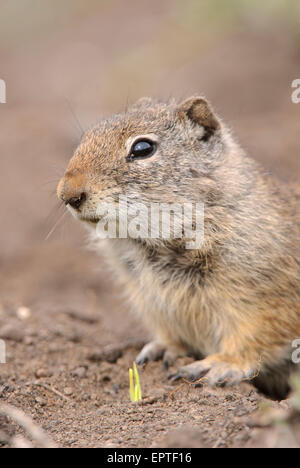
(70, 334)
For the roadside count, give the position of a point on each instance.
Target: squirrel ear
(198, 110)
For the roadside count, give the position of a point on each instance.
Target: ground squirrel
(235, 301)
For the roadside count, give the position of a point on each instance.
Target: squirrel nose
(76, 202)
(72, 189)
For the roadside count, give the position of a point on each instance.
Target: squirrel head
(152, 153)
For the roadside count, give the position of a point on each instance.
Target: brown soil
(59, 369)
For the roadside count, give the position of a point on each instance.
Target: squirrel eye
(142, 149)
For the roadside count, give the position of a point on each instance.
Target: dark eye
(142, 149)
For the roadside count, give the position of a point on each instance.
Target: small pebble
(28, 340)
(23, 313)
(40, 401)
(109, 354)
(68, 391)
(115, 388)
(40, 373)
(79, 372)
(10, 332)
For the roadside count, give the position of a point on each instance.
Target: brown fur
(236, 301)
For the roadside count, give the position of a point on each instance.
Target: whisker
(54, 210)
(127, 102)
(55, 225)
(57, 167)
(76, 119)
(48, 182)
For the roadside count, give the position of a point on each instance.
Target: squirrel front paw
(154, 351)
(215, 372)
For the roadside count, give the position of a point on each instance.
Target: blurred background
(67, 64)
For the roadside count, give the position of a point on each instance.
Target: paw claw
(141, 361)
(174, 377)
(154, 351)
(194, 372)
(151, 352)
(215, 373)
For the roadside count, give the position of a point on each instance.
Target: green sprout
(295, 384)
(134, 384)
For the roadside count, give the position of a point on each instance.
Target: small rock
(10, 332)
(40, 373)
(40, 401)
(230, 397)
(28, 340)
(203, 402)
(115, 388)
(109, 354)
(23, 313)
(83, 316)
(68, 391)
(185, 437)
(6, 388)
(79, 372)
(75, 337)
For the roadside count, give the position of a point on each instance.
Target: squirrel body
(234, 303)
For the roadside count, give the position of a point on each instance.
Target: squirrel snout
(71, 190)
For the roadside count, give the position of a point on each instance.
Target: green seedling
(295, 384)
(134, 385)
